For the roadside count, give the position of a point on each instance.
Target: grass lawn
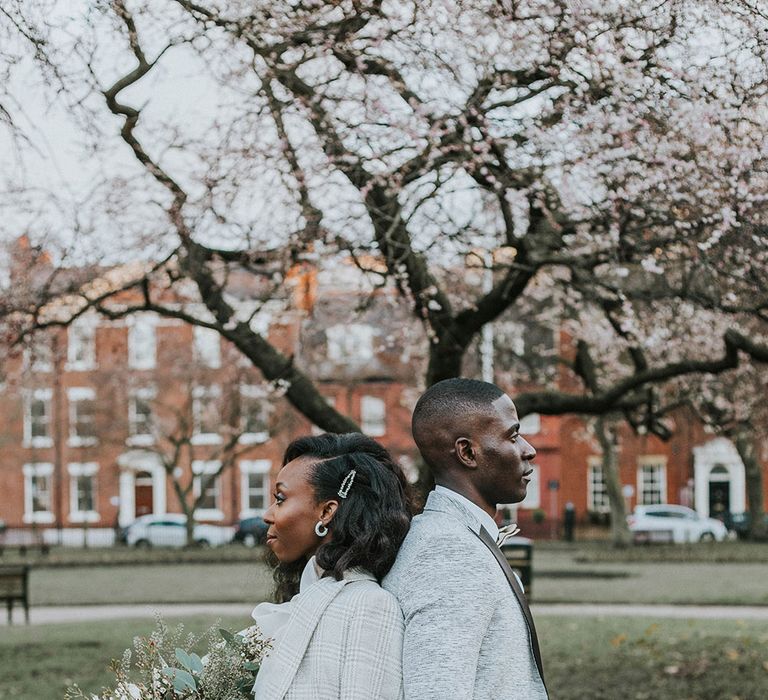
(585, 658)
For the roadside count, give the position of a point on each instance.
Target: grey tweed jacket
(465, 634)
(343, 642)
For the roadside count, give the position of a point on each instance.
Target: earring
(320, 529)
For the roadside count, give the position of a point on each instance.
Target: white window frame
(200, 394)
(81, 335)
(660, 462)
(145, 394)
(350, 343)
(595, 464)
(45, 395)
(75, 395)
(254, 391)
(206, 344)
(530, 424)
(200, 467)
(37, 469)
(373, 415)
(142, 341)
(247, 468)
(76, 470)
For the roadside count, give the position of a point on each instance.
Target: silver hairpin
(347, 483)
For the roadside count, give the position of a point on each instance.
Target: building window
(255, 412)
(209, 506)
(140, 421)
(207, 347)
(142, 342)
(38, 481)
(82, 416)
(82, 492)
(255, 486)
(37, 418)
(597, 493)
(350, 343)
(373, 416)
(651, 480)
(206, 414)
(81, 345)
(530, 424)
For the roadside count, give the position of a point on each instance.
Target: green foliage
(226, 672)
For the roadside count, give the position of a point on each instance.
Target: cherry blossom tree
(603, 159)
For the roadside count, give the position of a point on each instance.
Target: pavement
(85, 613)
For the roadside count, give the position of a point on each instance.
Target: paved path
(49, 615)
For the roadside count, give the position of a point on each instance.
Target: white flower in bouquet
(227, 671)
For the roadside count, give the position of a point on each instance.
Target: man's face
(503, 455)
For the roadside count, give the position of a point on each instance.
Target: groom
(469, 632)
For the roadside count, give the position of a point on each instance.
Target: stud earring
(320, 529)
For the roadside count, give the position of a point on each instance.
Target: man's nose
(529, 452)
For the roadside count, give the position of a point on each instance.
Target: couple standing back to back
(452, 620)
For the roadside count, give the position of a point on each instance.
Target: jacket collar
(439, 502)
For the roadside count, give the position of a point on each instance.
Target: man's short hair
(451, 399)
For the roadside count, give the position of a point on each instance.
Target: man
(468, 632)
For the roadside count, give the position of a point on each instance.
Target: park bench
(14, 586)
(518, 552)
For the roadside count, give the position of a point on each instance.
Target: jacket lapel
(289, 652)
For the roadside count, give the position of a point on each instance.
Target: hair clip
(347, 483)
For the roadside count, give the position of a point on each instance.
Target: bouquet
(163, 666)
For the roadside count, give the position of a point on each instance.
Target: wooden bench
(14, 586)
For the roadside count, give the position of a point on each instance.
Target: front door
(143, 494)
(719, 499)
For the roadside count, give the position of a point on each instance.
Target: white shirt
(482, 517)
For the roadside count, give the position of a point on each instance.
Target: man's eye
(279, 498)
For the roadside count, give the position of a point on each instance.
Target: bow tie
(507, 532)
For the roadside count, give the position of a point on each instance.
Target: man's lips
(269, 539)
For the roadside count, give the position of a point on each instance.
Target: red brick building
(90, 414)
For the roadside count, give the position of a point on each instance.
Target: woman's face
(293, 515)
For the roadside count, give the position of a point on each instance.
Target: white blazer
(343, 641)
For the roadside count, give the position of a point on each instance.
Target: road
(44, 615)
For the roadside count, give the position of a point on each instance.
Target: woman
(339, 517)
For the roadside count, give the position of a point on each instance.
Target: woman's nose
(268, 518)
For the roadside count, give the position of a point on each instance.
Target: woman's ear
(466, 452)
(329, 509)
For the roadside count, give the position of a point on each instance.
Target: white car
(671, 523)
(169, 530)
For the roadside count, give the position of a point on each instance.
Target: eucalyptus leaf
(196, 663)
(251, 665)
(184, 659)
(184, 681)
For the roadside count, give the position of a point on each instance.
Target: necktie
(487, 540)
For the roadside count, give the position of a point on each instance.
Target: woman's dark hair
(370, 524)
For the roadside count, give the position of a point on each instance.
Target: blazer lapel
(487, 540)
(289, 652)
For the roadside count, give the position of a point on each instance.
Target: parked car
(169, 530)
(251, 531)
(741, 522)
(671, 523)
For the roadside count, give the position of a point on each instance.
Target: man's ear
(328, 510)
(466, 452)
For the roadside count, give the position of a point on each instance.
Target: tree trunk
(620, 534)
(745, 440)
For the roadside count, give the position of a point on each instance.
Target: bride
(339, 516)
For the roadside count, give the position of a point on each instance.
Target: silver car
(672, 523)
(169, 530)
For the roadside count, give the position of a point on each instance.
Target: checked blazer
(343, 641)
(466, 635)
